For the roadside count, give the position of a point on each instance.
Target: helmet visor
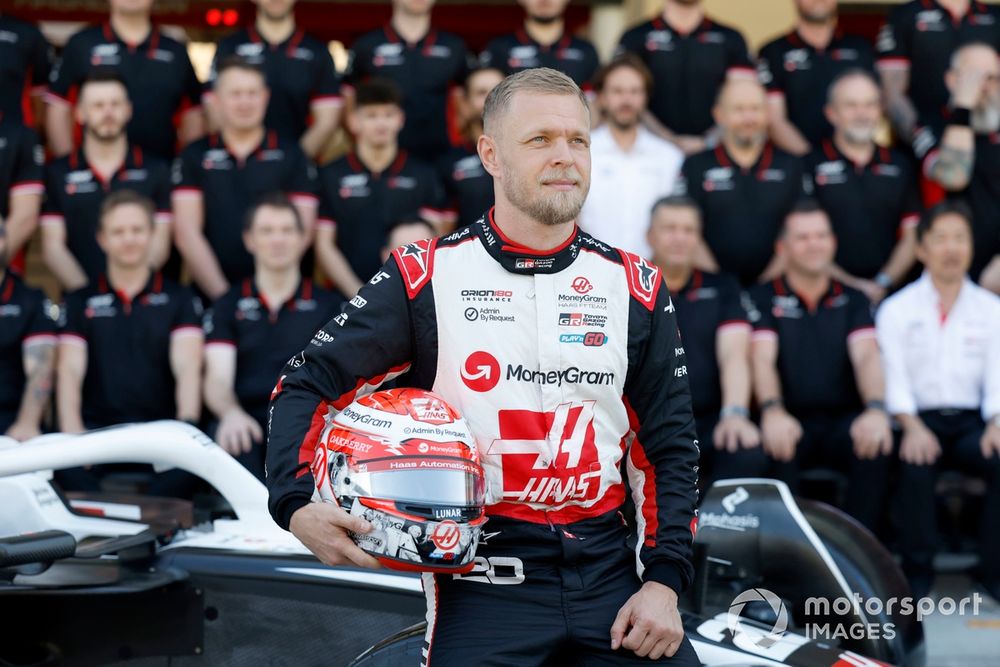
(431, 481)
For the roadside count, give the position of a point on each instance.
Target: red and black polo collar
(153, 286)
(879, 156)
(833, 290)
(288, 46)
(393, 169)
(425, 42)
(149, 45)
(133, 160)
(558, 46)
(762, 164)
(304, 292)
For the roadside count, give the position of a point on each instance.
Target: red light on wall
(213, 17)
(230, 17)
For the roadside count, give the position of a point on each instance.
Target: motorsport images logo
(754, 633)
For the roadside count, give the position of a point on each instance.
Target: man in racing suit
(564, 357)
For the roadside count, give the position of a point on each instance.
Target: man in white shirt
(940, 338)
(632, 167)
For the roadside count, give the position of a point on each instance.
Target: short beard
(751, 141)
(105, 139)
(819, 19)
(632, 122)
(550, 211)
(856, 138)
(985, 120)
(545, 20)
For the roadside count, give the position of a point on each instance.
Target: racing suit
(563, 362)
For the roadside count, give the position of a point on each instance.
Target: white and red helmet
(405, 460)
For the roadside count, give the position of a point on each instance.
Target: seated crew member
(131, 347)
(27, 352)
(817, 370)
(369, 189)
(716, 337)
(258, 325)
(940, 337)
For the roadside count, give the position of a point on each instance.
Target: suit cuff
(288, 506)
(666, 573)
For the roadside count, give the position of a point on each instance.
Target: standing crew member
(21, 187)
(27, 59)
(581, 594)
(305, 101)
(155, 68)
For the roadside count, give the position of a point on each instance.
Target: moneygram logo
(481, 371)
(571, 375)
(758, 635)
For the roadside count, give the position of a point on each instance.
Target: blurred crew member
(305, 100)
(77, 184)
(940, 337)
(257, 326)
(716, 336)
(218, 177)
(21, 188)
(157, 72)
(817, 371)
(27, 59)
(797, 70)
(744, 188)
(632, 167)
(368, 190)
(543, 42)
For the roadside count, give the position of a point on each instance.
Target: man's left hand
(871, 434)
(22, 431)
(649, 624)
(990, 442)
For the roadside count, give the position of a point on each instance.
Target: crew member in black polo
(817, 370)
(217, 178)
(469, 187)
(744, 187)
(960, 152)
(716, 335)
(543, 42)
(78, 183)
(797, 69)
(428, 65)
(914, 48)
(21, 187)
(869, 192)
(305, 98)
(259, 325)
(131, 347)
(690, 57)
(24, 77)
(161, 81)
(366, 191)
(27, 352)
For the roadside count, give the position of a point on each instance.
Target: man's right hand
(920, 446)
(322, 528)
(237, 432)
(781, 432)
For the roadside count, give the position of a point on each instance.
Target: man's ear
(488, 155)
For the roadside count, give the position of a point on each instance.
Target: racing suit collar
(519, 259)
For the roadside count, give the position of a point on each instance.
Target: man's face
(981, 62)
(742, 113)
(674, 233)
(141, 7)
(623, 97)
(544, 10)
(946, 249)
(125, 234)
(543, 150)
(855, 109)
(275, 10)
(377, 125)
(816, 11)
(241, 97)
(104, 110)
(478, 86)
(808, 244)
(274, 239)
(414, 7)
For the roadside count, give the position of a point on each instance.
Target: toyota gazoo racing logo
(757, 634)
(581, 285)
(481, 371)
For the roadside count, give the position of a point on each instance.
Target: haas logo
(481, 371)
(581, 285)
(446, 535)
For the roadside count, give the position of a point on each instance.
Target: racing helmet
(406, 461)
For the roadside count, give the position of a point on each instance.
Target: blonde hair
(542, 80)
